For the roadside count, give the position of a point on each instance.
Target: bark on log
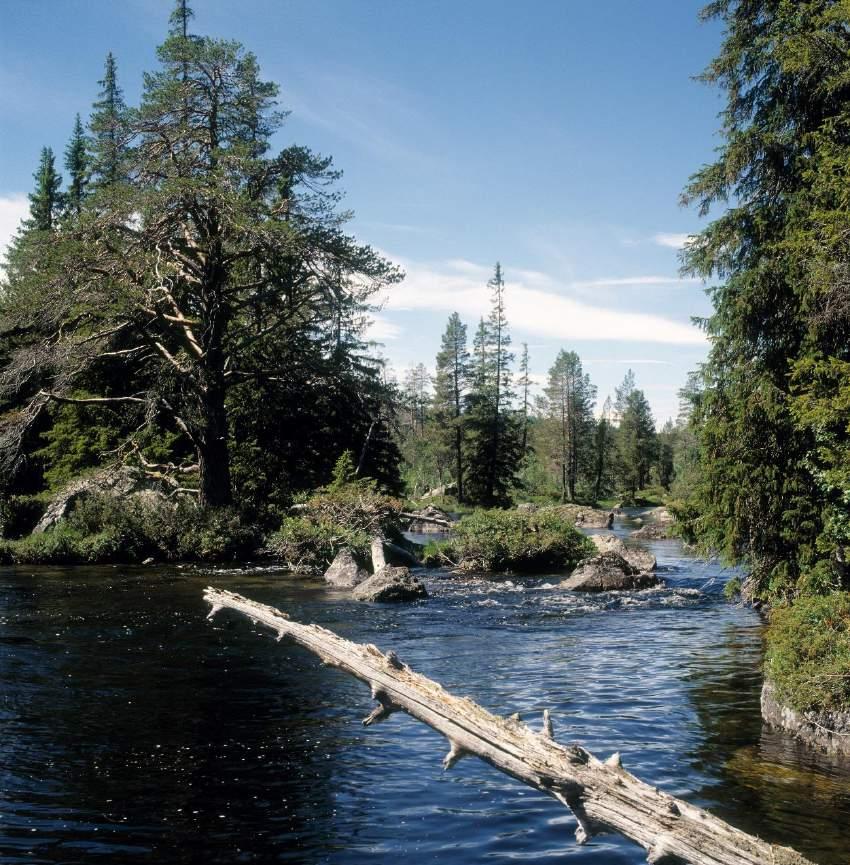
(602, 795)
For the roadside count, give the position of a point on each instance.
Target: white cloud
(671, 240)
(536, 304)
(13, 208)
(625, 281)
(380, 329)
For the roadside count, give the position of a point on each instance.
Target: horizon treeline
(481, 431)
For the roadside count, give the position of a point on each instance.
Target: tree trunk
(214, 453)
(602, 796)
(459, 459)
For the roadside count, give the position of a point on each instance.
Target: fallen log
(603, 796)
(437, 521)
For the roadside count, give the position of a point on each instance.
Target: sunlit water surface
(133, 730)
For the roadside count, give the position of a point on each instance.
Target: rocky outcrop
(345, 572)
(607, 572)
(390, 585)
(438, 492)
(653, 532)
(827, 731)
(118, 481)
(642, 560)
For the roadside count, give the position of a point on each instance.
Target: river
(133, 730)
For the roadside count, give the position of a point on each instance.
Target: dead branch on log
(602, 795)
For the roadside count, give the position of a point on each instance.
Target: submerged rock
(642, 560)
(345, 572)
(653, 532)
(607, 572)
(390, 585)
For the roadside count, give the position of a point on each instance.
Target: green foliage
(108, 529)
(339, 516)
(770, 488)
(345, 472)
(808, 652)
(495, 540)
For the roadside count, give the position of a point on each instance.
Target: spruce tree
(603, 449)
(450, 388)
(494, 433)
(569, 417)
(109, 130)
(46, 200)
(76, 163)
(524, 385)
(637, 442)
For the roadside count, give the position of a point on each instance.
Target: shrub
(108, 529)
(512, 540)
(343, 515)
(808, 652)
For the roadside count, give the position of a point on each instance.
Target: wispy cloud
(630, 281)
(380, 329)
(671, 240)
(536, 304)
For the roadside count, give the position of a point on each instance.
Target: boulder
(638, 558)
(438, 492)
(119, 481)
(653, 532)
(390, 585)
(528, 508)
(607, 572)
(345, 572)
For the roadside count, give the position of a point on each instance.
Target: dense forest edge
(186, 374)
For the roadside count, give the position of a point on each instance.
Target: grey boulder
(390, 585)
(345, 572)
(607, 572)
(638, 558)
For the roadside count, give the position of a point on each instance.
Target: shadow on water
(132, 729)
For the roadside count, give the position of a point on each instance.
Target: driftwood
(603, 796)
(446, 524)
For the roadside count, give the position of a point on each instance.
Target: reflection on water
(133, 730)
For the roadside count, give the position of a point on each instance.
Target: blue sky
(554, 136)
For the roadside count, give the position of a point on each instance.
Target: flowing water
(133, 730)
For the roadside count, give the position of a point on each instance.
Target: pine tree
(450, 387)
(46, 200)
(76, 163)
(569, 416)
(200, 276)
(108, 129)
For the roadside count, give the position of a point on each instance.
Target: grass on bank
(808, 652)
(512, 540)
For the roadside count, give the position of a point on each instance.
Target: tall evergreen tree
(494, 436)
(636, 442)
(450, 388)
(785, 73)
(569, 415)
(76, 163)
(603, 449)
(46, 200)
(109, 129)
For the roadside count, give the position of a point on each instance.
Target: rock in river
(607, 572)
(390, 585)
(345, 571)
(640, 559)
